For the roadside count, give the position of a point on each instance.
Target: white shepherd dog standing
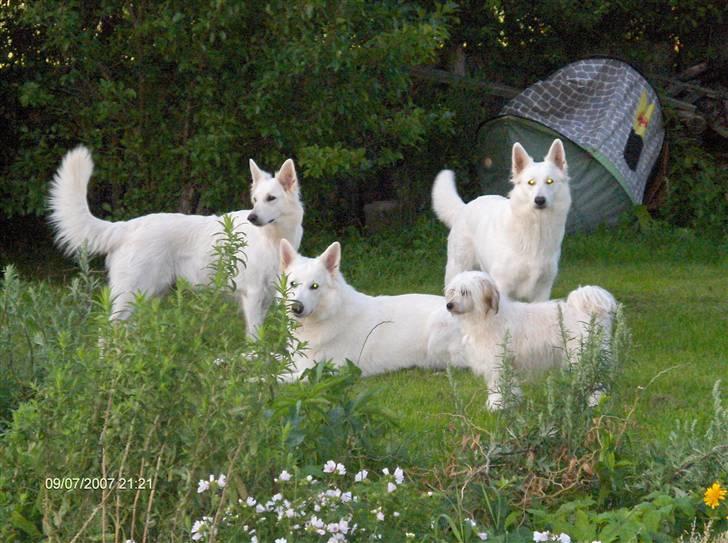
(516, 239)
(487, 316)
(147, 254)
(377, 333)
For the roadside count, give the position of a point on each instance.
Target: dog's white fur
(514, 239)
(147, 254)
(487, 315)
(377, 333)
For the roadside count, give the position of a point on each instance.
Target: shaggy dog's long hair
(487, 317)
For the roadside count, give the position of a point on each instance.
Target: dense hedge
(175, 97)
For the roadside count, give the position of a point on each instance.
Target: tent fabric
(606, 107)
(596, 196)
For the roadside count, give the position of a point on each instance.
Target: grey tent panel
(596, 196)
(598, 103)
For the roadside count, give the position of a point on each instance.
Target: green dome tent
(610, 121)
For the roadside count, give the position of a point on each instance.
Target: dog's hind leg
(460, 257)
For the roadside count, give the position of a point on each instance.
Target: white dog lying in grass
(146, 255)
(488, 317)
(516, 239)
(377, 333)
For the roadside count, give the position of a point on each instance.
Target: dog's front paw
(495, 401)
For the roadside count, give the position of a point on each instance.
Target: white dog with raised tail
(377, 333)
(516, 239)
(148, 254)
(488, 317)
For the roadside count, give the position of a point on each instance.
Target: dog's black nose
(449, 306)
(253, 218)
(540, 201)
(296, 307)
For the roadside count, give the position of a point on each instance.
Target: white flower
(340, 469)
(332, 527)
(563, 538)
(330, 466)
(380, 516)
(284, 476)
(385, 471)
(396, 513)
(360, 476)
(409, 535)
(276, 497)
(290, 513)
(129, 541)
(346, 497)
(260, 508)
(429, 493)
(250, 502)
(316, 522)
(198, 530)
(541, 536)
(281, 540)
(343, 526)
(254, 539)
(472, 523)
(399, 475)
(391, 487)
(202, 486)
(221, 480)
(309, 478)
(483, 536)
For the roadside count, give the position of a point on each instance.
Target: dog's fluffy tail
(593, 301)
(70, 216)
(445, 200)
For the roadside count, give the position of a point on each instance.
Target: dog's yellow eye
(549, 181)
(314, 286)
(531, 182)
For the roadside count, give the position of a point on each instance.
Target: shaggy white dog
(487, 317)
(148, 254)
(377, 333)
(516, 239)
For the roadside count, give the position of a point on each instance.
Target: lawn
(173, 382)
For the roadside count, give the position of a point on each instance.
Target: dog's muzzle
(540, 202)
(253, 219)
(296, 308)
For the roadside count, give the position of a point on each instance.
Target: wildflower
(391, 487)
(284, 476)
(202, 486)
(129, 541)
(330, 466)
(380, 516)
(254, 539)
(399, 475)
(199, 528)
(385, 471)
(714, 495)
(221, 480)
(250, 502)
(340, 469)
(360, 476)
(471, 522)
(281, 540)
(541, 536)
(309, 478)
(395, 514)
(346, 497)
(409, 535)
(429, 493)
(276, 497)
(482, 536)
(563, 538)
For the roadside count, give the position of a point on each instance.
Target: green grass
(672, 284)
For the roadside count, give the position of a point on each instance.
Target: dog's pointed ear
(491, 295)
(557, 155)
(519, 159)
(287, 176)
(331, 257)
(256, 173)
(287, 254)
